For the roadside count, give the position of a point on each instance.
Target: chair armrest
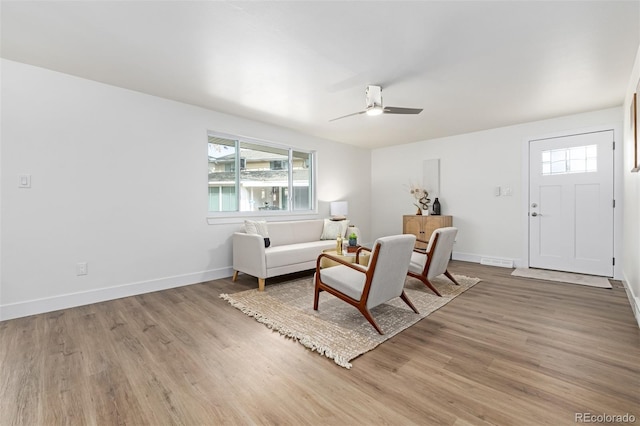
(357, 267)
(249, 255)
(361, 248)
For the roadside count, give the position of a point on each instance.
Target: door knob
(534, 214)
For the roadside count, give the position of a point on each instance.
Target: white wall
(631, 184)
(119, 180)
(471, 167)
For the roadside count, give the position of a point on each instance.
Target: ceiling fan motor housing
(373, 96)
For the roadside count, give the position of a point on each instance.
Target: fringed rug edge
(287, 332)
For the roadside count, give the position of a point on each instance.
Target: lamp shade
(339, 208)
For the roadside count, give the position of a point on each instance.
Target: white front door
(571, 203)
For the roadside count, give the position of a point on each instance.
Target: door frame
(617, 189)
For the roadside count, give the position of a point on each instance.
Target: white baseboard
(64, 301)
(486, 259)
(634, 300)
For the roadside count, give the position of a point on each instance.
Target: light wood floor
(510, 351)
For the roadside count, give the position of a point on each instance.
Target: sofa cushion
(258, 227)
(291, 254)
(293, 232)
(332, 228)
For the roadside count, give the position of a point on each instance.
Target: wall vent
(496, 262)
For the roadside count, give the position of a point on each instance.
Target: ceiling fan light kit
(373, 97)
(375, 110)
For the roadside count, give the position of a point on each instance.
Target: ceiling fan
(373, 95)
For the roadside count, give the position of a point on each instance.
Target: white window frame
(214, 216)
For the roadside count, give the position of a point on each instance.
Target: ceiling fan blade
(398, 110)
(348, 115)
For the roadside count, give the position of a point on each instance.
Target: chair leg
(406, 300)
(369, 318)
(316, 295)
(261, 284)
(425, 281)
(448, 275)
(235, 276)
(428, 284)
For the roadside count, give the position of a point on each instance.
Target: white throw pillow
(333, 228)
(258, 227)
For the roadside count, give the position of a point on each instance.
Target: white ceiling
(471, 65)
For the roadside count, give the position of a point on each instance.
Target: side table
(349, 257)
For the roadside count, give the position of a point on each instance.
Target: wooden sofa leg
(261, 284)
(235, 276)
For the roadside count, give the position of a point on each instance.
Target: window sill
(239, 217)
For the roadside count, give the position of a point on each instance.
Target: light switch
(24, 181)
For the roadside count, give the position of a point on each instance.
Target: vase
(436, 207)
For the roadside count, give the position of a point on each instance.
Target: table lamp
(339, 210)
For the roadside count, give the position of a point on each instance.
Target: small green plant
(353, 236)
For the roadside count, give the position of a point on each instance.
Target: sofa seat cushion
(292, 254)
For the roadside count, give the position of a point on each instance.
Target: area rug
(337, 330)
(565, 277)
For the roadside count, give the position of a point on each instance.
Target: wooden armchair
(366, 287)
(426, 265)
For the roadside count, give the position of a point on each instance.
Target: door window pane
(578, 159)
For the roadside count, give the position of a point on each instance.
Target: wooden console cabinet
(423, 226)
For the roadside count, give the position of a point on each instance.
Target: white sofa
(295, 246)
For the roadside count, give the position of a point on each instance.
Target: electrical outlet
(82, 268)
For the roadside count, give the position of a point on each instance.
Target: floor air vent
(496, 262)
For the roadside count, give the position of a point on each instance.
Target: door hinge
(614, 204)
(614, 145)
(614, 261)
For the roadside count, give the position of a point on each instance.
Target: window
(278, 165)
(252, 176)
(577, 159)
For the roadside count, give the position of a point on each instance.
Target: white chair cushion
(391, 269)
(418, 260)
(345, 280)
(442, 253)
